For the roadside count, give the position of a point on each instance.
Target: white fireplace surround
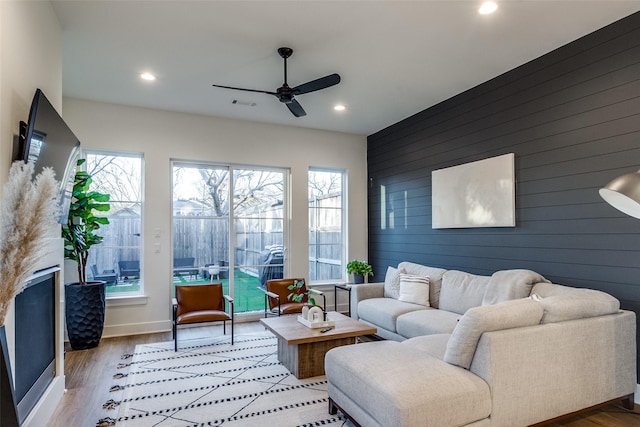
(44, 409)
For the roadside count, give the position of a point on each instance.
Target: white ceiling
(395, 58)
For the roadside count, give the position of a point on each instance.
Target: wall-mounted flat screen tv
(48, 141)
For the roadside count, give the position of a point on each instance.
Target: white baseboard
(127, 329)
(136, 328)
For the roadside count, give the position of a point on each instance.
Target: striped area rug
(212, 383)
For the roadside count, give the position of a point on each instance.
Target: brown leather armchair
(276, 297)
(199, 304)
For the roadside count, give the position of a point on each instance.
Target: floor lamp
(623, 193)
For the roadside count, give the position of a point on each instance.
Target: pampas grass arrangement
(28, 213)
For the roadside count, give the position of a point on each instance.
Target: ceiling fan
(286, 94)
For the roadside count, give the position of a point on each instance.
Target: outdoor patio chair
(276, 297)
(200, 304)
(185, 266)
(129, 269)
(108, 276)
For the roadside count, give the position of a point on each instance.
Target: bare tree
(117, 176)
(251, 188)
(217, 185)
(324, 183)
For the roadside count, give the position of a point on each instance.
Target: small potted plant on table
(359, 270)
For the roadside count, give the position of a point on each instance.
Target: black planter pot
(358, 279)
(84, 313)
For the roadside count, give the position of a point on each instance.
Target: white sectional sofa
(505, 350)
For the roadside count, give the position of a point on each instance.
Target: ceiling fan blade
(247, 90)
(296, 109)
(321, 83)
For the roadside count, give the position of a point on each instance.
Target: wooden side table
(345, 287)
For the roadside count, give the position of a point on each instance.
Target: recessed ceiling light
(147, 76)
(487, 8)
(339, 107)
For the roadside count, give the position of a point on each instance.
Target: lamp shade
(623, 193)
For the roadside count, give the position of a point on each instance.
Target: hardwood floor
(89, 375)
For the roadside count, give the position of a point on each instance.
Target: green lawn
(247, 297)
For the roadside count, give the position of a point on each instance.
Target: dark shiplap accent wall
(572, 118)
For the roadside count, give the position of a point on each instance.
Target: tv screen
(48, 141)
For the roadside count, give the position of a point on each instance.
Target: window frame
(232, 217)
(343, 225)
(128, 295)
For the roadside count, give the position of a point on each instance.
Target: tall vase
(84, 313)
(8, 410)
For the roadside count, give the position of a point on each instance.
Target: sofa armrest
(570, 365)
(362, 292)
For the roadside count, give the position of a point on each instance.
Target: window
(117, 259)
(326, 225)
(229, 227)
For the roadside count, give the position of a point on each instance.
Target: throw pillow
(414, 289)
(392, 283)
(487, 318)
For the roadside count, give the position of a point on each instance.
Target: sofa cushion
(414, 289)
(506, 285)
(402, 386)
(433, 273)
(434, 345)
(505, 315)
(392, 282)
(562, 303)
(383, 312)
(426, 322)
(461, 291)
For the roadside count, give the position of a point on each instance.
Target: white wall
(30, 58)
(162, 136)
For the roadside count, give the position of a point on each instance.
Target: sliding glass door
(229, 227)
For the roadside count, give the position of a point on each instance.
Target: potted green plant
(359, 269)
(85, 301)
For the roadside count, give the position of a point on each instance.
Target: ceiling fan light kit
(286, 94)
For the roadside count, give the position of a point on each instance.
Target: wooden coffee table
(302, 349)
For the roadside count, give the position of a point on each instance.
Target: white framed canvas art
(476, 194)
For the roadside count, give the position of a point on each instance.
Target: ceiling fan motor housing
(285, 94)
